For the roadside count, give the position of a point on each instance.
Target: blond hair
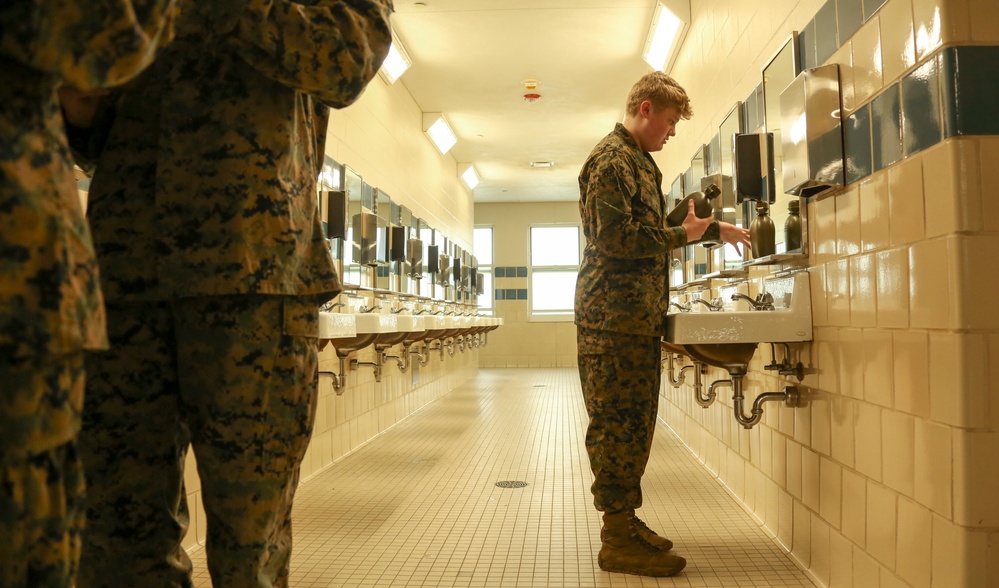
(662, 91)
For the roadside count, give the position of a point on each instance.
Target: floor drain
(511, 484)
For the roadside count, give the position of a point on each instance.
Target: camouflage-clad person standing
(213, 260)
(51, 308)
(622, 293)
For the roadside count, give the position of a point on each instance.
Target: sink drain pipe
(678, 380)
(790, 397)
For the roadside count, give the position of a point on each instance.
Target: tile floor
(419, 505)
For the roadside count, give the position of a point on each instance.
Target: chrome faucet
(329, 306)
(398, 310)
(680, 307)
(714, 306)
(764, 301)
(372, 309)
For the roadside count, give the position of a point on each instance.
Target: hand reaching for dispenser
(734, 235)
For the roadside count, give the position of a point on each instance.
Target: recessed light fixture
(396, 62)
(439, 131)
(664, 35)
(469, 176)
(542, 164)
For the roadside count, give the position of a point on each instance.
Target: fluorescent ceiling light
(470, 177)
(396, 63)
(665, 30)
(439, 131)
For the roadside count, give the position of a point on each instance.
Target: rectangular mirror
(677, 255)
(779, 72)
(697, 256)
(354, 187)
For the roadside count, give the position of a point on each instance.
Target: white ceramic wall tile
(934, 466)
(915, 534)
(882, 523)
(855, 507)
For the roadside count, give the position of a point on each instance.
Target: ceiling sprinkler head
(532, 98)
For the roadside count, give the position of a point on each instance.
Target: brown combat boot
(650, 537)
(625, 551)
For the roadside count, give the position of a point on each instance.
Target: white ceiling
(470, 57)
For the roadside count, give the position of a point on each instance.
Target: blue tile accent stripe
(857, 138)
(886, 128)
(950, 94)
(921, 107)
(970, 86)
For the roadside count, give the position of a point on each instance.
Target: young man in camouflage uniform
(621, 300)
(51, 308)
(207, 228)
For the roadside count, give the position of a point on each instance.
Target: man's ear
(645, 108)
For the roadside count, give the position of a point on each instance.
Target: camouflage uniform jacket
(207, 181)
(50, 302)
(623, 282)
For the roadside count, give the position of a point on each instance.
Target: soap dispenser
(761, 232)
(703, 206)
(792, 226)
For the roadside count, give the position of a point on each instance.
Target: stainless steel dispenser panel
(754, 168)
(414, 254)
(336, 212)
(397, 243)
(812, 132)
(433, 259)
(444, 275)
(365, 233)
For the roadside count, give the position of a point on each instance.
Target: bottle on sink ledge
(762, 235)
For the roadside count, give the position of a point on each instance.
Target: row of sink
(349, 332)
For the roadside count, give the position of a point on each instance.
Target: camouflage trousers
(41, 477)
(236, 378)
(620, 376)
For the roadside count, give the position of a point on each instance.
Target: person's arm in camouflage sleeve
(90, 45)
(330, 49)
(616, 231)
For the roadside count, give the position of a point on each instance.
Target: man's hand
(694, 225)
(79, 107)
(734, 235)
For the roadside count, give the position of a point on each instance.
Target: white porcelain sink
(334, 325)
(410, 324)
(790, 322)
(365, 327)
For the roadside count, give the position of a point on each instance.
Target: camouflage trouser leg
(620, 377)
(245, 373)
(134, 444)
(41, 491)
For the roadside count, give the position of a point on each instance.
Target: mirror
(777, 75)
(388, 272)
(677, 255)
(443, 281)
(457, 264)
(696, 256)
(426, 278)
(354, 186)
(333, 209)
(727, 210)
